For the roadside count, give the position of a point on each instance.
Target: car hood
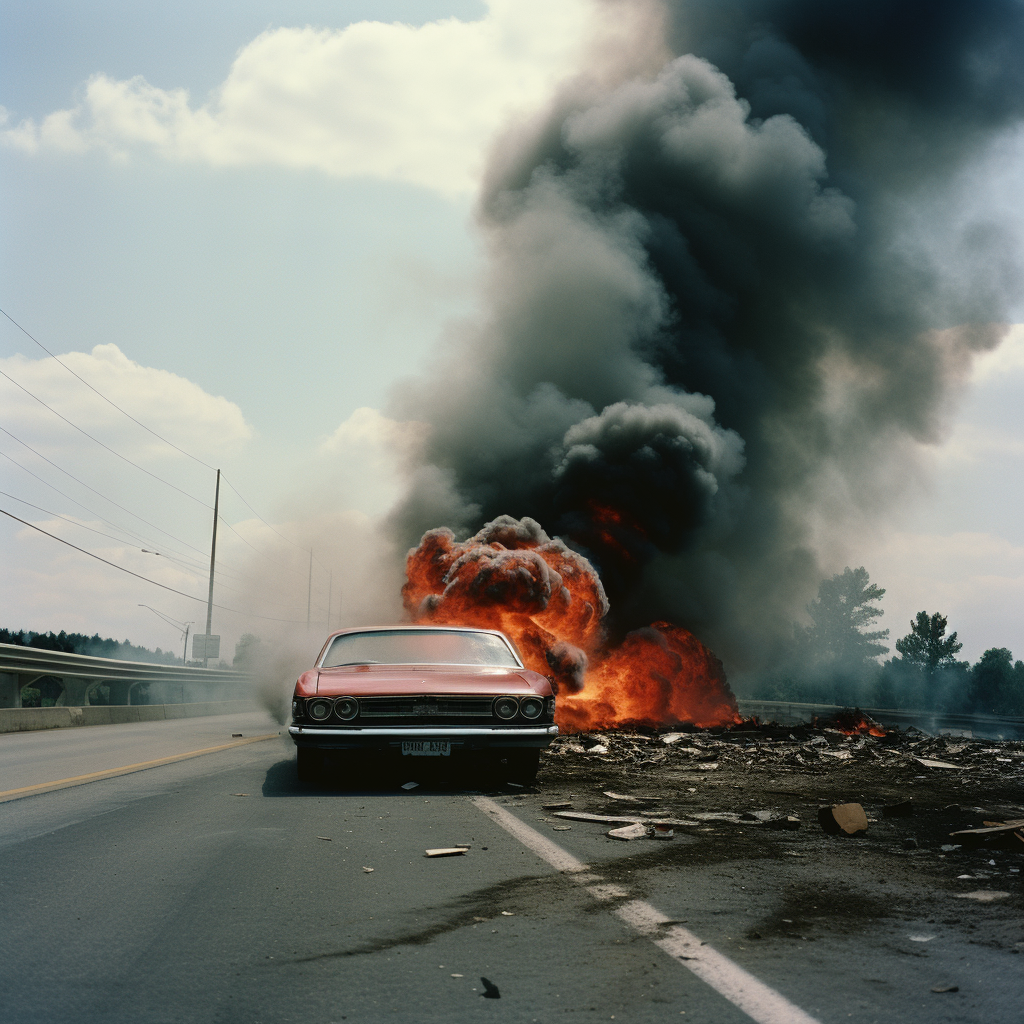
(383, 680)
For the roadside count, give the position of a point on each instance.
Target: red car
(422, 691)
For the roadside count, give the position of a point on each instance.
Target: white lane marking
(743, 990)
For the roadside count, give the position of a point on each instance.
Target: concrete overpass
(80, 675)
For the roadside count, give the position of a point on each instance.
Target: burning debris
(753, 753)
(512, 576)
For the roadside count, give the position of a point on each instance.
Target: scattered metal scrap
(825, 746)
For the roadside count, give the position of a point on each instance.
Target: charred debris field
(761, 797)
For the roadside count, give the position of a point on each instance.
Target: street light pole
(213, 561)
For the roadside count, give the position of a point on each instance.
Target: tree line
(95, 646)
(835, 659)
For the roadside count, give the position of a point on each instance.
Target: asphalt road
(217, 889)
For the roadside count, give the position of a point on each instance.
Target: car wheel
(309, 764)
(521, 765)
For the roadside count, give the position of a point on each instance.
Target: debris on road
(993, 832)
(791, 748)
(848, 818)
(369, 871)
(507, 913)
(409, 785)
(627, 832)
(447, 851)
(239, 794)
(930, 763)
(326, 839)
(626, 799)
(565, 805)
(945, 988)
(614, 819)
(490, 990)
(982, 895)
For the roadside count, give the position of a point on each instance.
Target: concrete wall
(29, 719)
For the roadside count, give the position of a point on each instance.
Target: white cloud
(173, 406)
(393, 101)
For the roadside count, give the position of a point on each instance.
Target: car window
(414, 647)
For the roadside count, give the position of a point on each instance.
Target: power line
(104, 397)
(191, 570)
(124, 458)
(150, 430)
(146, 579)
(265, 523)
(100, 494)
(257, 550)
(160, 437)
(130, 536)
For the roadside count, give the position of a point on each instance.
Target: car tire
(309, 764)
(521, 765)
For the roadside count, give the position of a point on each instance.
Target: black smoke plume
(713, 338)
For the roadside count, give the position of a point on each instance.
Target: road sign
(205, 645)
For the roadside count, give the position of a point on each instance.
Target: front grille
(425, 709)
(429, 707)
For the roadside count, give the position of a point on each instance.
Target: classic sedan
(422, 691)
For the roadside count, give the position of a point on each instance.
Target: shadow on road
(384, 776)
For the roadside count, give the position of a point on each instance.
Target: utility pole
(330, 595)
(213, 561)
(184, 653)
(309, 591)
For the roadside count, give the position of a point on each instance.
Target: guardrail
(987, 726)
(80, 674)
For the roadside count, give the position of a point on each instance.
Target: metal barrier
(80, 674)
(987, 726)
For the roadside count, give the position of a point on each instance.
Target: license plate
(427, 748)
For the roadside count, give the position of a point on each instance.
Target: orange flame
(852, 723)
(511, 576)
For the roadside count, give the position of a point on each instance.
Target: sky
(246, 226)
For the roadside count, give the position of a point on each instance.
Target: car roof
(415, 627)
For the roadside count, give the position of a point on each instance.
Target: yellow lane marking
(110, 773)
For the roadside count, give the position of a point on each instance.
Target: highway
(215, 888)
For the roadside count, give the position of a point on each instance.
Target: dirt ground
(738, 790)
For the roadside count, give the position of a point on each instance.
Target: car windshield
(419, 647)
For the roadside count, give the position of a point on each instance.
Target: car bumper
(384, 737)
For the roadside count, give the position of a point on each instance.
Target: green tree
(997, 684)
(927, 645)
(838, 637)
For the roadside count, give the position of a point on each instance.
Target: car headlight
(531, 707)
(506, 707)
(319, 709)
(346, 708)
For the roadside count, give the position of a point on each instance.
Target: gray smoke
(712, 337)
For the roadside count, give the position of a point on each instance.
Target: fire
(549, 599)
(852, 722)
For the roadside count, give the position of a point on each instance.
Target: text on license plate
(427, 748)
